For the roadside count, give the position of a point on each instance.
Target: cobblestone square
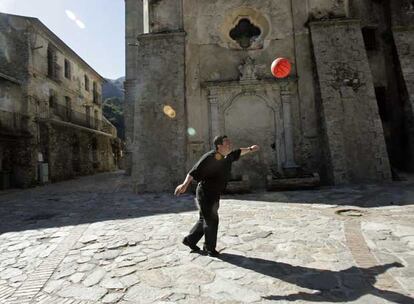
(92, 240)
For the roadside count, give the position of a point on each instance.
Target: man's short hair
(218, 140)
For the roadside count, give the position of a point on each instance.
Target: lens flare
(71, 15)
(191, 131)
(169, 111)
(80, 24)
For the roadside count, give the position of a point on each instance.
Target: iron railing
(78, 118)
(13, 122)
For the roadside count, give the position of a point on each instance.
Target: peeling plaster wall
(160, 122)
(211, 55)
(357, 150)
(25, 126)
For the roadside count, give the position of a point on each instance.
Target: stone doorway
(249, 120)
(252, 111)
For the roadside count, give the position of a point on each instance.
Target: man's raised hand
(254, 148)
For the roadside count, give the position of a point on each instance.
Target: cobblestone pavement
(92, 240)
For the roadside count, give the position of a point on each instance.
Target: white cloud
(80, 24)
(71, 15)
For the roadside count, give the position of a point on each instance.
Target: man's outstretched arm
(250, 149)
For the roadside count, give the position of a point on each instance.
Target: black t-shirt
(213, 170)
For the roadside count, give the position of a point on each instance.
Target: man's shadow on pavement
(335, 286)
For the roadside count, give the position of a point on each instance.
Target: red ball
(281, 68)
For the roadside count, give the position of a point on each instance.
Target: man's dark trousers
(207, 224)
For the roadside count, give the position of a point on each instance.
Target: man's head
(222, 144)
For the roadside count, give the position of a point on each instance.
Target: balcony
(63, 113)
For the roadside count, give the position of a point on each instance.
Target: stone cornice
(161, 35)
(329, 22)
(238, 83)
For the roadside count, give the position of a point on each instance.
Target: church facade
(196, 69)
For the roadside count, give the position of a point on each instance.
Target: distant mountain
(113, 88)
(113, 107)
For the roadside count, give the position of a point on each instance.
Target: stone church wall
(333, 103)
(356, 145)
(160, 114)
(213, 56)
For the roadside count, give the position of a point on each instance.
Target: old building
(51, 122)
(199, 68)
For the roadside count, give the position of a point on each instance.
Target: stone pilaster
(285, 96)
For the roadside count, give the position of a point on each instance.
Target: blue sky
(94, 29)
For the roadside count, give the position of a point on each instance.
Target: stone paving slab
(92, 240)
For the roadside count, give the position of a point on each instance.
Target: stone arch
(270, 104)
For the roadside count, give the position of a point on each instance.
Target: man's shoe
(211, 253)
(192, 246)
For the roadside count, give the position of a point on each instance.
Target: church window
(245, 33)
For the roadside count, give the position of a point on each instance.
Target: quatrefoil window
(245, 33)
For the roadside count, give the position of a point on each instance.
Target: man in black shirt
(212, 172)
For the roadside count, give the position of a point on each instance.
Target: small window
(52, 99)
(95, 92)
(86, 83)
(245, 33)
(51, 61)
(68, 72)
(370, 38)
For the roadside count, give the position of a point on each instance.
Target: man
(212, 173)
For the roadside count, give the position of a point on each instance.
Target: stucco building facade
(51, 121)
(195, 69)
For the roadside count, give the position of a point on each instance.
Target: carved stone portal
(254, 112)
